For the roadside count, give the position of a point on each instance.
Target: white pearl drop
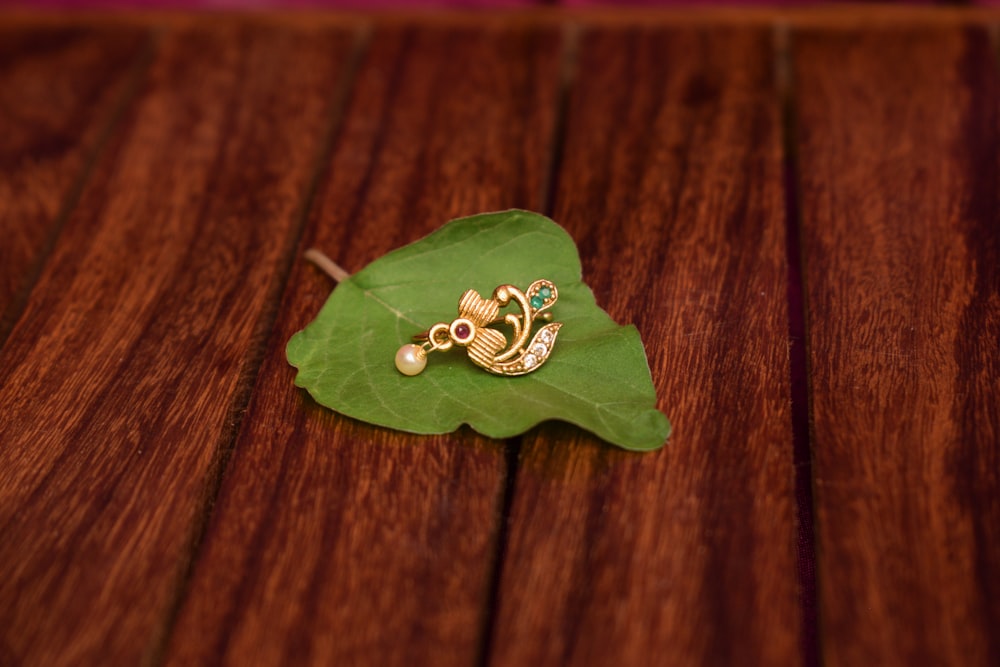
(411, 359)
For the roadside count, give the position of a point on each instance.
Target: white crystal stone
(546, 336)
(530, 361)
(540, 350)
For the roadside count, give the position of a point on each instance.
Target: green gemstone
(537, 302)
(545, 292)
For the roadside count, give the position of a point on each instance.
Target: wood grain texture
(334, 542)
(59, 88)
(900, 173)
(671, 185)
(117, 385)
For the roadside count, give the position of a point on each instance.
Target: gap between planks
(798, 352)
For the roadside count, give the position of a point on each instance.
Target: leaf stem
(326, 265)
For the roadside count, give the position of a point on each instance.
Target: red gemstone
(462, 331)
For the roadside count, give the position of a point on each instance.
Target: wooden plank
(900, 138)
(59, 88)
(118, 385)
(672, 186)
(335, 542)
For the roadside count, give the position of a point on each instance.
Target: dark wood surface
(60, 88)
(119, 381)
(900, 173)
(336, 542)
(608, 550)
(798, 210)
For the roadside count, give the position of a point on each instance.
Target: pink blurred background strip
(423, 4)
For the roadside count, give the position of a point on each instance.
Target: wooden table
(799, 210)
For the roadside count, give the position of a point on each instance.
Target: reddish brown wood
(671, 184)
(334, 542)
(59, 88)
(337, 543)
(900, 172)
(117, 385)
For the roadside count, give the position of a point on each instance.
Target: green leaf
(597, 376)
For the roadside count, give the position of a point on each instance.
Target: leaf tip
(653, 436)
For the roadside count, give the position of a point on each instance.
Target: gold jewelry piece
(488, 347)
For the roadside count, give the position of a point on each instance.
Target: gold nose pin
(487, 347)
